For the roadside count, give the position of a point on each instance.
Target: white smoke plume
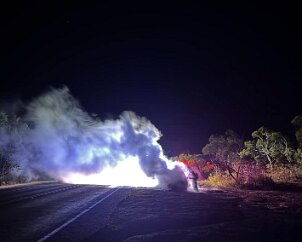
(63, 141)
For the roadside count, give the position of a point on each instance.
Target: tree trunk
(230, 173)
(237, 173)
(270, 161)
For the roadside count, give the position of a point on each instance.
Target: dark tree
(224, 150)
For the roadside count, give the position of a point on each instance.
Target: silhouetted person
(194, 177)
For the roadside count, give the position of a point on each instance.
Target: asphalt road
(64, 212)
(30, 213)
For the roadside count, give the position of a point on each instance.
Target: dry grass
(23, 184)
(254, 176)
(285, 174)
(218, 180)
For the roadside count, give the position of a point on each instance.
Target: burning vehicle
(57, 137)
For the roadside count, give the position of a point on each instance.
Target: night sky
(193, 70)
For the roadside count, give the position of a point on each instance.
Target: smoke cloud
(55, 136)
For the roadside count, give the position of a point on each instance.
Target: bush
(251, 175)
(218, 179)
(285, 174)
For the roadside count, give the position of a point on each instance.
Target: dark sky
(193, 70)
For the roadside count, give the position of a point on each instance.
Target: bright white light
(184, 168)
(127, 173)
(170, 164)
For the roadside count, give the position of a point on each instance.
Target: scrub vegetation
(269, 158)
(10, 130)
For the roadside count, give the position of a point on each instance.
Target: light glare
(126, 173)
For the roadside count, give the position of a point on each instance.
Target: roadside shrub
(218, 179)
(259, 181)
(285, 174)
(252, 174)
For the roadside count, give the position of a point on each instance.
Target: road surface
(66, 212)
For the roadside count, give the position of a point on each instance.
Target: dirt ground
(209, 215)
